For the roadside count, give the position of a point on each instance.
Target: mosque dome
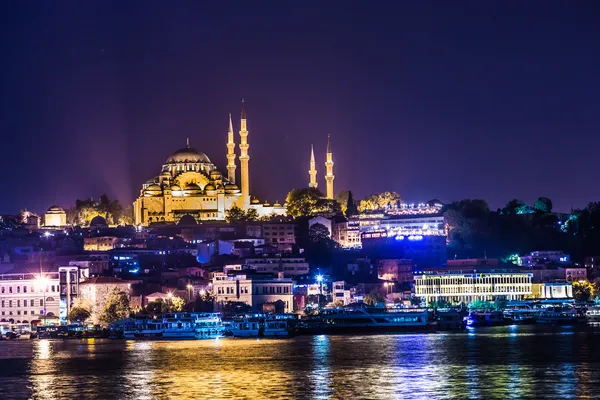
(175, 187)
(255, 201)
(187, 155)
(191, 186)
(98, 222)
(154, 188)
(55, 210)
(214, 174)
(231, 188)
(277, 204)
(187, 220)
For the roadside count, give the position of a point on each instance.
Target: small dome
(214, 174)
(255, 201)
(154, 188)
(192, 186)
(276, 204)
(231, 186)
(187, 155)
(187, 220)
(55, 210)
(266, 204)
(210, 186)
(175, 187)
(98, 222)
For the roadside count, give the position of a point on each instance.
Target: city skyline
(449, 104)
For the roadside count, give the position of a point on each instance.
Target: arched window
(49, 299)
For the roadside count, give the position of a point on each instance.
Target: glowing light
(415, 237)
(319, 278)
(399, 237)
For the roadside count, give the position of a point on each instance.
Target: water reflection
(507, 362)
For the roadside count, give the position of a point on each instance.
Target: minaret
(230, 153)
(312, 172)
(244, 157)
(329, 169)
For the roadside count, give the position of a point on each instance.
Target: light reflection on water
(505, 362)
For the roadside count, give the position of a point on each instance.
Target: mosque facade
(190, 184)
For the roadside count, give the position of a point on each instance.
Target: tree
(543, 204)
(320, 246)
(342, 199)
(252, 215)
(155, 307)
(235, 214)
(380, 201)
(176, 304)
(79, 314)
(303, 202)
(351, 208)
(373, 298)
(116, 308)
(584, 291)
(338, 303)
(440, 303)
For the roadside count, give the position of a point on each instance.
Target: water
(503, 363)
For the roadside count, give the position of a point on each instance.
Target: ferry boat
(484, 318)
(260, 325)
(521, 314)
(557, 315)
(368, 320)
(449, 320)
(593, 314)
(181, 325)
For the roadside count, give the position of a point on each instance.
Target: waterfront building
(257, 291)
(95, 292)
(463, 284)
(551, 290)
(189, 184)
(341, 292)
(29, 297)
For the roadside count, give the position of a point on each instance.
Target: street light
(190, 287)
(42, 283)
(320, 280)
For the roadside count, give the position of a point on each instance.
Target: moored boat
(368, 320)
(484, 318)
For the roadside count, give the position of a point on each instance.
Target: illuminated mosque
(189, 184)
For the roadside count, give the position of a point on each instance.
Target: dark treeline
(476, 231)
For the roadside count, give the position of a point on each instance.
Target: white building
(29, 297)
(460, 286)
(253, 290)
(341, 293)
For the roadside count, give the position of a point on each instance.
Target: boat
(259, 325)
(520, 314)
(484, 318)
(449, 320)
(557, 315)
(181, 325)
(368, 320)
(593, 314)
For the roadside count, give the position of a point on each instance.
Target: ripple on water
(504, 363)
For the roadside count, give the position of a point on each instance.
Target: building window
(18, 303)
(10, 289)
(41, 302)
(2, 303)
(25, 303)
(10, 303)
(18, 289)
(24, 289)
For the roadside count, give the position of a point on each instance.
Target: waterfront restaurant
(464, 284)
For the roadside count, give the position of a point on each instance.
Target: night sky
(449, 100)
